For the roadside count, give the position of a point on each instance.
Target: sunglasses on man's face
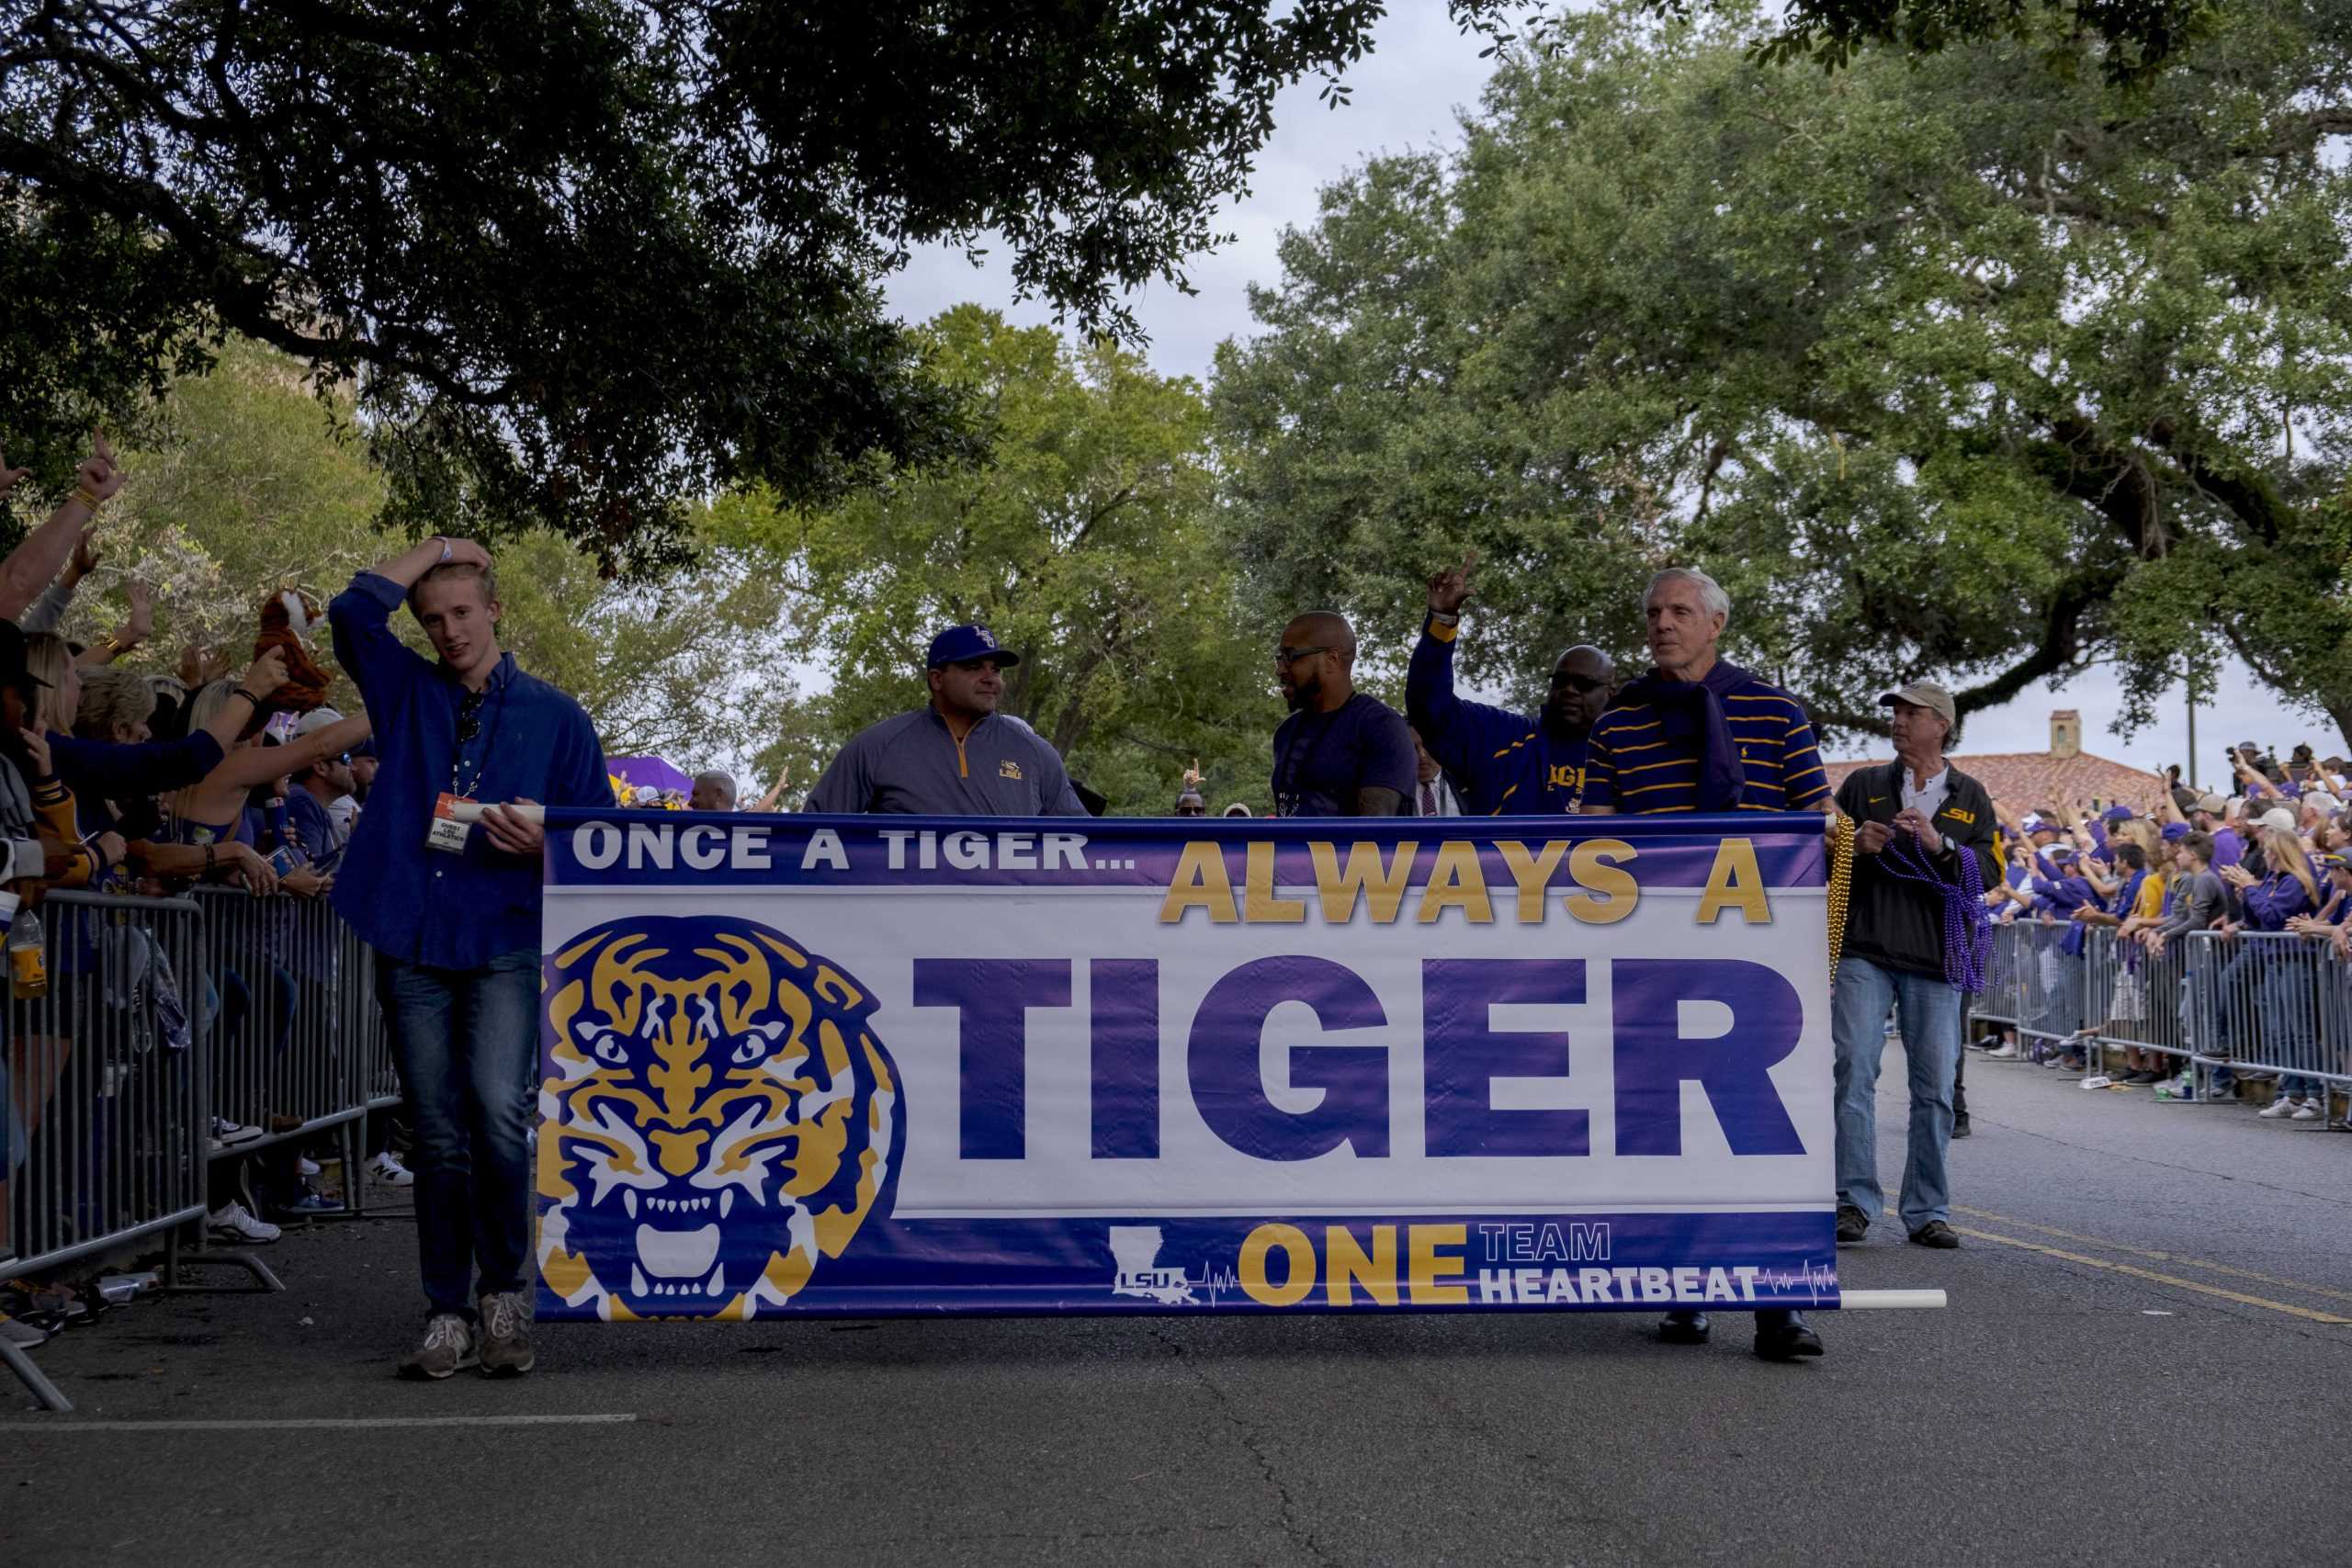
(1586, 684)
(1286, 657)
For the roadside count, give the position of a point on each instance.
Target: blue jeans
(466, 1042)
(1927, 1010)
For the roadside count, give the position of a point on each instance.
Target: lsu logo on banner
(716, 1118)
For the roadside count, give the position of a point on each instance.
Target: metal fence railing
(2031, 987)
(170, 1034)
(2271, 1003)
(2131, 999)
(288, 1015)
(102, 1089)
(105, 1136)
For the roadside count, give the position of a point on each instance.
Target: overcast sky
(1406, 96)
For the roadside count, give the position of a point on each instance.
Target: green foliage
(251, 486)
(584, 261)
(1972, 365)
(2135, 39)
(1087, 543)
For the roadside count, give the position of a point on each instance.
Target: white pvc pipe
(470, 811)
(1859, 1300)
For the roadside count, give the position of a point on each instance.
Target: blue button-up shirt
(451, 911)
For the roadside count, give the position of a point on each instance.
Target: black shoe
(1781, 1336)
(1935, 1233)
(1960, 1126)
(1853, 1224)
(1684, 1328)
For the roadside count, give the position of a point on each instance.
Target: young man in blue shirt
(453, 914)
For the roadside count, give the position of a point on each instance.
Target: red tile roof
(2030, 781)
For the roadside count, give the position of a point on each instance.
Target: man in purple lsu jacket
(1502, 762)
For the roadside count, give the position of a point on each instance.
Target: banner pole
(1864, 1301)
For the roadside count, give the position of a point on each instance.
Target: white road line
(315, 1423)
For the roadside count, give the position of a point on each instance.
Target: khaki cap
(2213, 803)
(1925, 695)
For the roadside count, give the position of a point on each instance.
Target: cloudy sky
(1406, 96)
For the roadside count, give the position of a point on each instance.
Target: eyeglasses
(1289, 656)
(345, 758)
(1585, 683)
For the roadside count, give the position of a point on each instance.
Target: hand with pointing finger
(1451, 587)
(100, 475)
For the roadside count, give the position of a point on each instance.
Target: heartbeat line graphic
(1811, 1277)
(1215, 1280)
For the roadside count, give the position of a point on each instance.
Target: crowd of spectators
(2245, 889)
(121, 783)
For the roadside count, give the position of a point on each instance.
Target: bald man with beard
(1339, 753)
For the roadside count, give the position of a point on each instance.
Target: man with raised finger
(1502, 762)
(452, 910)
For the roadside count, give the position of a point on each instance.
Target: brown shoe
(449, 1347)
(506, 1334)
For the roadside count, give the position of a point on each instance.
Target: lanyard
(463, 790)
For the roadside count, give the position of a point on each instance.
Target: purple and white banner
(871, 1065)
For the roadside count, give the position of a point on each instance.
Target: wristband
(241, 691)
(1441, 618)
(444, 540)
(82, 494)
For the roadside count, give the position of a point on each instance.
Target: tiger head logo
(716, 1117)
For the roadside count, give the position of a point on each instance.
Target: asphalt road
(2147, 1360)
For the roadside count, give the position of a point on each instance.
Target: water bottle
(27, 955)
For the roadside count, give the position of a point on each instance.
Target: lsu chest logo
(1008, 769)
(716, 1119)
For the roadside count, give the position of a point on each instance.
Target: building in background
(2029, 781)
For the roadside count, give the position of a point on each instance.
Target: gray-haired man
(1916, 820)
(713, 791)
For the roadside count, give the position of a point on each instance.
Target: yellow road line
(2139, 1273)
(2301, 1286)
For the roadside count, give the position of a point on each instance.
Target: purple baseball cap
(958, 643)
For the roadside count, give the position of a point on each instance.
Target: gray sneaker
(506, 1334)
(448, 1346)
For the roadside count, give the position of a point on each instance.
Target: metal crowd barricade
(289, 1017)
(2133, 998)
(2268, 1001)
(102, 1099)
(1999, 1001)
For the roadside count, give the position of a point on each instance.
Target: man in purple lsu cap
(958, 757)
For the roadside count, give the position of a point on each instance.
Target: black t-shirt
(1321, 759)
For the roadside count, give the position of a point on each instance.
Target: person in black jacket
(1919, 823)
